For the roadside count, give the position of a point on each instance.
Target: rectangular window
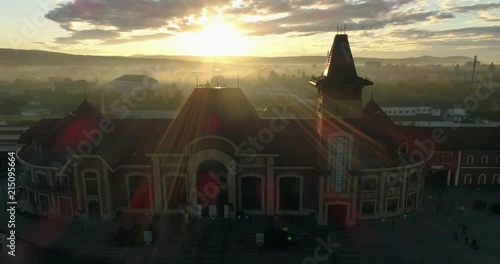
(44, 203)
(411, 200)
(392, 204)
(412, 178)
(66, 206)
(367, 207)
(369, 184)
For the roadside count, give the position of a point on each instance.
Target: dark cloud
(138, 38)
(122, 18)
(476, 7)
(87, 34)
(127, 15)
(414, 33)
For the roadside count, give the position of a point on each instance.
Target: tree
(491, 68)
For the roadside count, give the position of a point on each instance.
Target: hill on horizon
(13, 57)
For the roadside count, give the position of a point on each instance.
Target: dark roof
(340, 68)
(222, 112)
(459, 138)
(375, 115)
(86, 109)
(133, 78)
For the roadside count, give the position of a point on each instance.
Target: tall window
(369, 184)
(470, 159)
(289, 193)
(138, 192)
(66, 206)
(92, 187)
(412, 178)
(497, 161)
(367, 207)
(468, 179)
(340, 147)
(496, 179)
(482, 179)
(392, 204)
(484, 159)
(251, 196)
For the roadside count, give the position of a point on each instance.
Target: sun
(216, 39)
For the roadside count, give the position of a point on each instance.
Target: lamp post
(81, 211)
(230, 206)
(393, 214)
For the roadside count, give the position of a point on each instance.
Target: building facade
(218, 158)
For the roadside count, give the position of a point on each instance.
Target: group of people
(473, 243)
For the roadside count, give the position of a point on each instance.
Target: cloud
(92, 34)
(476, 7)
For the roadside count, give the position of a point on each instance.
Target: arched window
(470, 159)
(403, 148)
(289, 193)
(481, 179)
(484, 159)
(138, 192)
(497, 161)
(340, 147)
(496, 179)
(251, 193)
(468, 179)
(175, 192)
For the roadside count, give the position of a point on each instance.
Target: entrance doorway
(212, 188)
(336, 215)
(94, 209)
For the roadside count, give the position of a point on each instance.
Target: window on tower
(339, 158)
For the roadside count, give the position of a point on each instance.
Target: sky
(376, 28)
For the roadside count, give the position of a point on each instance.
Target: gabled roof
(340, 68)
(86, 109)
(376, 115)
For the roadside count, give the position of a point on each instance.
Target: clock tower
(339, 96)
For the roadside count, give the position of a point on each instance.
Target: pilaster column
(270, 186)
(157, 186)
(107, 189)
(381, 200)
(354, 205)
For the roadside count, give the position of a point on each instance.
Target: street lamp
(81, 211)
(393, 209)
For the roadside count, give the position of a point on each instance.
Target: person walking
(466, 240)
(464, 230)
(334, 256)
(473, 244)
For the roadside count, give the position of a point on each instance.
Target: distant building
(425, 115)
(67, 85)
(130, 83)
(373, 65)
